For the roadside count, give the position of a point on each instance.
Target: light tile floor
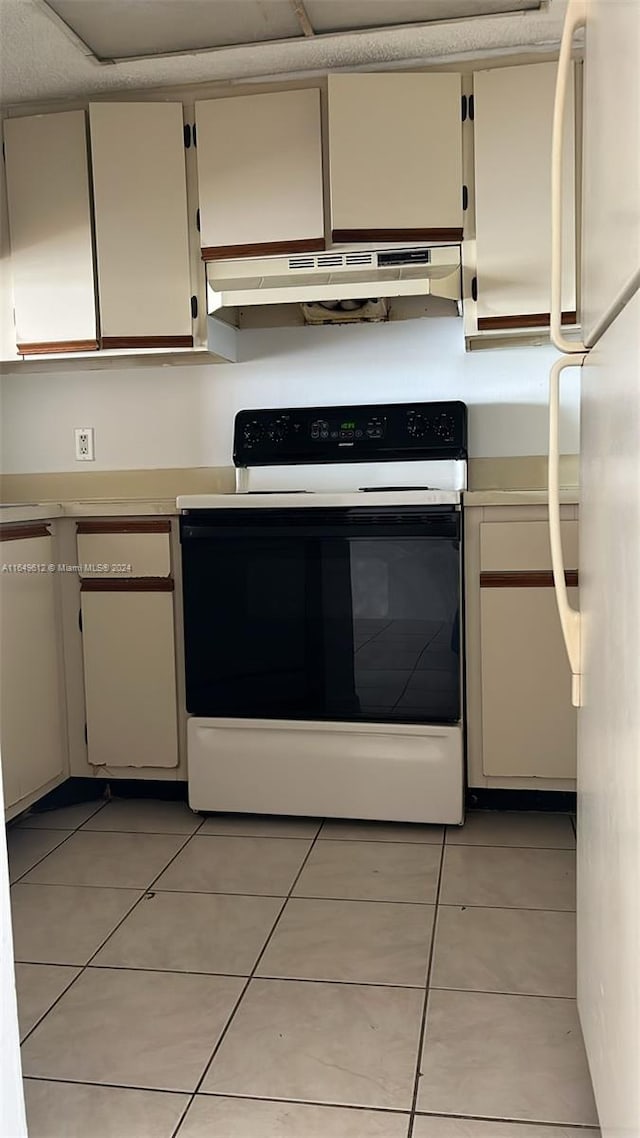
(240, 977)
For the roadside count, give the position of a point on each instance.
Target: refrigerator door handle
(575, 18)
(570, 618)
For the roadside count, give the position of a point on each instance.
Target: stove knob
(417, 426)
(253, 433)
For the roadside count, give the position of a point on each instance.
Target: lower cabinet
(129, 677)
(528, 723)
(521, 723)
(128, 644)
(33, 730)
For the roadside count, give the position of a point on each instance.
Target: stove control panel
(372, 433)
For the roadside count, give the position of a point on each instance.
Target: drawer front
(522, 546)
(127, 551)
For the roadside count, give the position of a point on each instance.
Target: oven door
(323, 614)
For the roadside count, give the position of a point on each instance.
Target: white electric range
(322, 615)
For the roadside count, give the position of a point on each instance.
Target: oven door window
(344, 622)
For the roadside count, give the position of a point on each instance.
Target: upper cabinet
(50, 233)
(395, 157)
(140, 196)
(513, 121)
(260, 174)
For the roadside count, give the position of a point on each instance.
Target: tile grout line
(551, 1126)
(587, 1128)
(423, 1023)
(299, 896)
(84, 967)
(250, 977)
(286, 979)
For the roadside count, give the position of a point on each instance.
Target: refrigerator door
(611, 158)
(609, 724)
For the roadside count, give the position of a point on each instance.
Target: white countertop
(167, 507)
(569, 495)
(93, 508)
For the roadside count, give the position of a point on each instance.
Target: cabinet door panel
(130, 679)
(148, 554)
(521, 546)
(142, 240)
(395, 143)
(513, 121)
(50, 232)
(260, 174)
(528, 723)
(31, 693)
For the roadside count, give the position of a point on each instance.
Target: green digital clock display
(347, 426)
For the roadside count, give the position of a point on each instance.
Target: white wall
(182, 417)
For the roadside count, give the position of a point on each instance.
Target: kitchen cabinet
(32, 731)
(128, 644)
(395, 157)
(142, 240)
(50, 233)
(521, 724)
(260, 174)
(512, 133)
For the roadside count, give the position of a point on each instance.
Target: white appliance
(338, 276)
(322, 616)
(603, 639)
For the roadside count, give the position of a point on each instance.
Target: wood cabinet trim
(441, 234)
(147, 342)
(263, 249)
(51, 347)
(17, 531)
(120, 526)
(127, 585)
(524, 579)
(526, 320)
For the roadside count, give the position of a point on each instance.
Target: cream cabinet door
(395, 149)
(50, 232)
(513, 120)
(129, 676)
(260, 174)
(140, 195)
(32, 729)
(528, 723)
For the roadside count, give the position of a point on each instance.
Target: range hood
(337, 285)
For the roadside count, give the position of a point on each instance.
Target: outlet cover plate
(84, 440)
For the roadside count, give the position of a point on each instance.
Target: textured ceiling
(119, 29)
(41, 60)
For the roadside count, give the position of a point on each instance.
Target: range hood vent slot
(359, 259)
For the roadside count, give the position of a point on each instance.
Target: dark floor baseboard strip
(78, 789)
(489, 798)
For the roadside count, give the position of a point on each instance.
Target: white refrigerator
(603, 639)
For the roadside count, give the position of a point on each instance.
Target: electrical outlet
(84, 444)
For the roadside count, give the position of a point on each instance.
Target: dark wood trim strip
(525, 579)
(121, 526)
(15, 531)
(526, 320)
(360, 235)
(126, 585)
(147, 342)
(51, 347)
(263, 249)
